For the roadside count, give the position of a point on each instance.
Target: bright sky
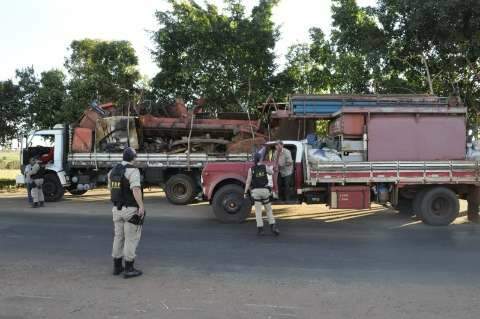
(38, 33)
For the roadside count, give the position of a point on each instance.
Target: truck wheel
(439, 206)
(229, 205)
(180, 189)
(405, 206)
(52, 189)
(77, 192)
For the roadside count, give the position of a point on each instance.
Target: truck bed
(106, 160)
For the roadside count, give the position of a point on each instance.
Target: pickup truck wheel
(52, 189)
(229, 205)
(439, 206)
(180, 189)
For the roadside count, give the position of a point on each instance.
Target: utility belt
(135, 219)
(263, 200)
(119, 206)
(266, 187)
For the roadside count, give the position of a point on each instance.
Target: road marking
(164, 305)
(33, 297)
(184, 308)
(270, 306)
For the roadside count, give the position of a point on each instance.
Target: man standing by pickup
(284, 161)
(128, 213)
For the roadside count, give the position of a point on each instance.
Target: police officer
(260, 189)
(128, 213)
(35, 176)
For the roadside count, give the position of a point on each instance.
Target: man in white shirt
(284, 160)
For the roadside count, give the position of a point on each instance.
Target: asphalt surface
(55, 263)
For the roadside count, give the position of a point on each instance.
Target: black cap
(129, 154)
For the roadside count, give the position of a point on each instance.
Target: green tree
(28, 85)
(225, 57)
(11, 110)
(100, 70)
(48, 103)
(308, 68)
(443, 35)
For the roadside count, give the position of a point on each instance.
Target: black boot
(117, 266)
(130, 271)
(42, 204)
(35, 205)
(274, 229)
(260, 231)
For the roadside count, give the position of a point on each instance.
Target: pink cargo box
(410, 137)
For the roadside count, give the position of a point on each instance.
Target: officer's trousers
(261, 196)
(37, 192)
(127, 235)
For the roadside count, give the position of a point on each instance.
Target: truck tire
(77, 192)
(229, 205)
(180, 189)
(439, 206)
(52, 189)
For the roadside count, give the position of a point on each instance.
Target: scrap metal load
(383, 128)
(180, 131)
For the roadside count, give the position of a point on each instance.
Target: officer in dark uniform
(128, 213)
(260, 188)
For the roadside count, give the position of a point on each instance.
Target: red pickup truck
(431, 190)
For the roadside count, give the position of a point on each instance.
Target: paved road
(54, 263)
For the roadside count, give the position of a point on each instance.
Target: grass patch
(8, 174)
(9, 156)
(9, 160)
(7, 178)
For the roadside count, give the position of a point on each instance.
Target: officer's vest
(120, 192)
(259, 176)
(40, 173)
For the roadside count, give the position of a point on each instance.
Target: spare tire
(229, 204)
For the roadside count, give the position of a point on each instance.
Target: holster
(137, 220)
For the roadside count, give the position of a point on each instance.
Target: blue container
(325, 105)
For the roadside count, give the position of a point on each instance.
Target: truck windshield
(42, 140)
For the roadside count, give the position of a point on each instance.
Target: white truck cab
(49, 147)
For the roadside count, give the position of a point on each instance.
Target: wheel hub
(179, 189)
(232, 204)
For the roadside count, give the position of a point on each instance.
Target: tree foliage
(105, 71)
(399, 46)
(224, 57)
(11, 110)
